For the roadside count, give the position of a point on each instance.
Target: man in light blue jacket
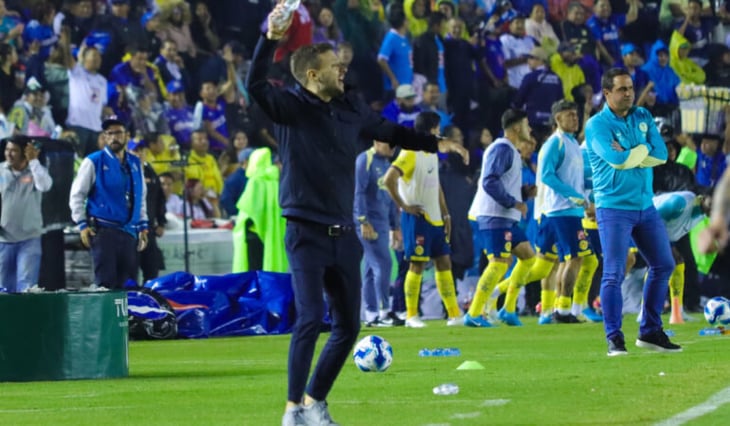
(623, 144)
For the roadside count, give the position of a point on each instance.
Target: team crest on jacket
(643, 127)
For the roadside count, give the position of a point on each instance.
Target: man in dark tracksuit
(151, 259)
(108, 204)
(319, 126)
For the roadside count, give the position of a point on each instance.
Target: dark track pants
(330, 264)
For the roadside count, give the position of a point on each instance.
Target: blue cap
(245, 154)
(120, 1)
(627, 49)
(134, 144)
(175, 86)
(147, 16)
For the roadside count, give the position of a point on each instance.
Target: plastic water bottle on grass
(446, 389)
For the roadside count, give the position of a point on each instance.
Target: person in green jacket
(259, 213)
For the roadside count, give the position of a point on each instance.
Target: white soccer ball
(373, 353)
(717, 311)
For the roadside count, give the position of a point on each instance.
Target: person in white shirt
(516, 47)
(87, 98)
(537, 27)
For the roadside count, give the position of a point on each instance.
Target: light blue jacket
(623, 179)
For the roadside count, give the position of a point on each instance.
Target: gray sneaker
(317, 414)
(293, 417)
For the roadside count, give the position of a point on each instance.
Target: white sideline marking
(471, 415)
(712, 404)
(494, 402)
(52, 410)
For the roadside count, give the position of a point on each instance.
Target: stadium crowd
(174, 73)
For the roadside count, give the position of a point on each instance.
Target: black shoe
(565, 319)
(657, 341)
(395, 321)
(617, 346)
(377, 322)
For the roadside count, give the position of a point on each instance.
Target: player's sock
(502, 286)
(445, 286)
(539, 270)
(547, 301)
(564, 305)
(493, 272)
(676, 294)
(412, 289)
(518, 280)
(583, 283)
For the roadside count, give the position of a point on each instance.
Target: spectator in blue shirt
(632, 61)
(539, 90)
(235, 184)
(210, 114)
(605, 27)
(179, 115)
(431, 96)
(403, 109)
(39, 29)
(396, 54)
(711, 161)
(697, 29)
(11, 27)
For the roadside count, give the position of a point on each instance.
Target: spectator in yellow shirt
(203, 166)
(565, 65)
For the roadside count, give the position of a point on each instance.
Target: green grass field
(533, 375)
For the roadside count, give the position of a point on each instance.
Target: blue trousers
(615, 228)
(319, 264)
(20, 264)
(376, 274)
(114, 256)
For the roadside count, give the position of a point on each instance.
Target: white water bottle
(289, 7)
(446, 389)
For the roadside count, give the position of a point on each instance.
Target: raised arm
(275, 103)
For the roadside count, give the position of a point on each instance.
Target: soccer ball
(373, 353)
(717, 311)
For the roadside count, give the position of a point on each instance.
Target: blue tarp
(248, 303)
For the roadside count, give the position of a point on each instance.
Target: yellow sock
(564, 304)
(584, 279)
(517, 281)
(485, 286)
(676, 281)
(412, 289)
(547, 301)
(445, 286)
(503, 285)
(539, 270)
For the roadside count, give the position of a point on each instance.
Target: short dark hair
(151, 137)
(136, 47)
(436, 18)
(306, 58)
(575, 5)
(167, 175)
(450, 129)
(512, 116)
(608, 76)
(426, 120)
(699, 2)
(396, 17)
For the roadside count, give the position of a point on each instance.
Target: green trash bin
(61, 336)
